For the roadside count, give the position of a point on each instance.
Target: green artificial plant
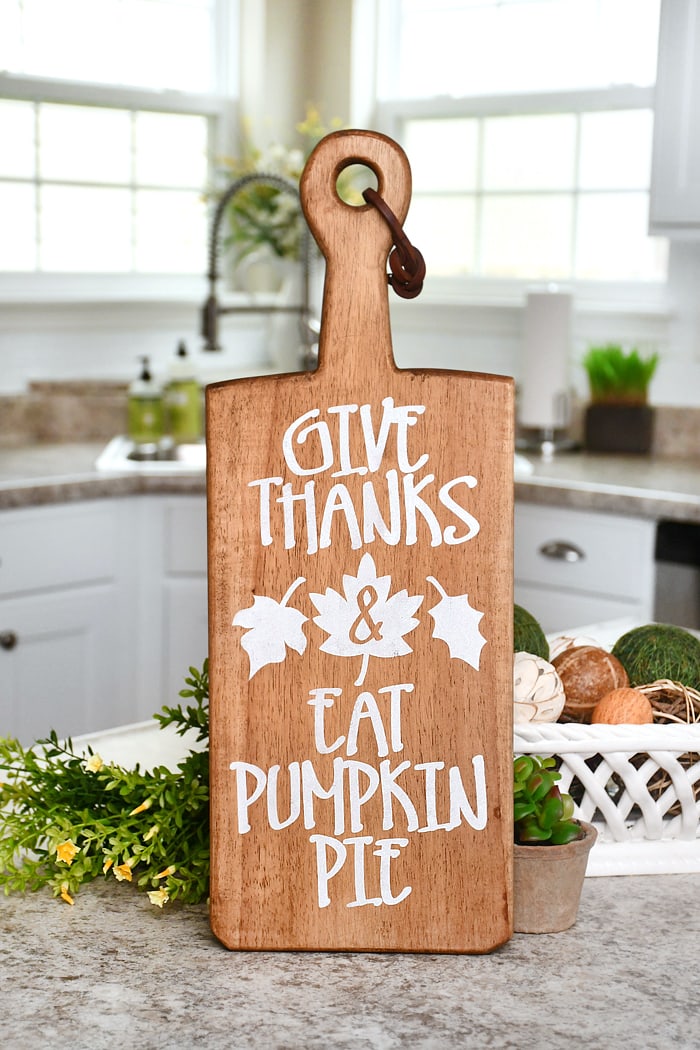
(68, 817)
(616, 377)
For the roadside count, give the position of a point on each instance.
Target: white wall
(292, 52)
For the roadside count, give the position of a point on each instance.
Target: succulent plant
(542, 814)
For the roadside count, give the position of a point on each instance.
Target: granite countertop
(31, 475)
(635, 485)
(113, 968)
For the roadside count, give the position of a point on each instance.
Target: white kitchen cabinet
(171, 597)
(675, 180)
(65, 629)
(103, 608)
(184, 595)
(577, 567)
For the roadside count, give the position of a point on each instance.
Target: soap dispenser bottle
(183, 400)
(145, 412)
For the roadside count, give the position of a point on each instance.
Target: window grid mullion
(576, 196)
(479, 198)
(132, 189)
(37, 188)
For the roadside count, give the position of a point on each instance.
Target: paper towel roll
(544, 376)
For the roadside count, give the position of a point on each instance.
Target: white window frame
(221, 110)
(645, 297)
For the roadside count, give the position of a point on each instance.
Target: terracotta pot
(547, 883)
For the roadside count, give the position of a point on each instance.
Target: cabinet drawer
(558, 611)
(582, 551)
(185, 535)
(57, 547)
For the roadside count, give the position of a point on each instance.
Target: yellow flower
(94, 763)
(151, 832)
(65, 895)
(107, 865)
(142, 808)
(158, 897)
(66, 851)
(170, 870)
(122, 872)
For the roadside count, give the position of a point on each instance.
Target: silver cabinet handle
(560, 550)
(8, 639)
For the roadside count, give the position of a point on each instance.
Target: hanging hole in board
(352, 181)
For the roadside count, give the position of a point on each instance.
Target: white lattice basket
(613, 772)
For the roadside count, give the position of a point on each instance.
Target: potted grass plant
(551, 849)
(619, 418)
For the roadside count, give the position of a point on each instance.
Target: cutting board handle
(356, 241)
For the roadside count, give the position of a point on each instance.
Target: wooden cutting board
(360, 611)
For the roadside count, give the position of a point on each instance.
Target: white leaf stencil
(365, 621)
(457, 624)
(271, 627)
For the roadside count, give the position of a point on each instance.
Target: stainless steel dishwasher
(677, 597)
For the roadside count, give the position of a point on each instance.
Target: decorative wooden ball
(587, 673)
(538, 694)
(569, 641)
(622, 706)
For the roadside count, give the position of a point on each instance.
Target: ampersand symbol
(367, 598)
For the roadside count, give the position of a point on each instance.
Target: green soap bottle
(183, 400)
(145, 412)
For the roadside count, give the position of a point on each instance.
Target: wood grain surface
(360, 618)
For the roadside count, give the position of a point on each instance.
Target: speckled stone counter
(635, 485)
(39, 474)
(639, 485)
(113, 970)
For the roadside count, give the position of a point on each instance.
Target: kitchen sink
(121, 456)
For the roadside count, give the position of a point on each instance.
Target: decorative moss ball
(587, 673)
(659, 650)
(528, 636)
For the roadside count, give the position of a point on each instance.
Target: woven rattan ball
(672, 701)
(587, 673)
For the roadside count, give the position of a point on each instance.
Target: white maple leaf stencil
(457, 624)
(365, 621)
(271, 627)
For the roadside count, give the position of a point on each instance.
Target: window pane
(527, 237)
(171, 149)
(443, 153)
(530, 152)
(85, 229)
(157, 44)
(17, 138)
(84, 144)
(18, 225)
(169, 44)
(612, 243)
(496, 46)
(171, 232)
(10, 34)
(616, 150)
(443, 229)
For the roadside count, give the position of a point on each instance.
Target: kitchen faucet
(212, 309)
